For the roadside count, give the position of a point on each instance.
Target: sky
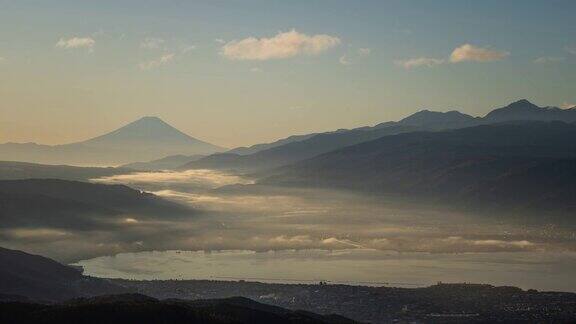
(240, 72)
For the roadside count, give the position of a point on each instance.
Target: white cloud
(76, 42)
(419, 62)
(130, 220)
(348, 59)
(163, 60)
(571, 49)
(187, 48)
(344, 60)
(152, 43)
(283, 45)
(548, 59)
(471, 53)
(219, 41)
(99, 33)
(255, 69)
(2, 60)
(364, 51)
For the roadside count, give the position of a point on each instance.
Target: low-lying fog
(249, 231)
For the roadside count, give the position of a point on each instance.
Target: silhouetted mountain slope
(440, 120)
(40, 278)
(139, 309)
(10, 170)
(530, 164)
(425, 120)
(145, 139)
(51, 203)
(294, 151)
(166, 163)
(525, 110)
(264, 146)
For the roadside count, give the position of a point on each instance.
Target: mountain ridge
(424, 120)
(525, 165)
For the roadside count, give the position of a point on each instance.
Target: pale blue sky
(356, 63)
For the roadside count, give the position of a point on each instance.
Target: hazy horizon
(241, 73)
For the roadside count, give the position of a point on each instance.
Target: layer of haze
(265, 229)
(71, 70)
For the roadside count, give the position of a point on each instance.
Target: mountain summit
(435, 119)
(148, 131)
(525, 110)
(147, 138)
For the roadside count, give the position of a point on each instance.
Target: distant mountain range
(294, 151)
(525, 165)
(525, 110)
(166, 163)
(145, 139)
(161, 146)
(297, 148)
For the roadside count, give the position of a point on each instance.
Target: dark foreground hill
(53, 203)
(10, 170)
(38, 278)
(140, 309)
(526, 165)
(441, 303)
(25, 278)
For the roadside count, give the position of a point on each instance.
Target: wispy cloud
(344, 60)
(471, 53)
(348, 59)
(162, 60)
(76, 42)
(283, 45)
(2, 60)
(548, 59)
(219, 41)
(187, 48)
(152, 43)
(419, 62)
(571, 49)
(364, 51)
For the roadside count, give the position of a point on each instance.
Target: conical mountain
(148, 138)
(151, 131)
(144, 139)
